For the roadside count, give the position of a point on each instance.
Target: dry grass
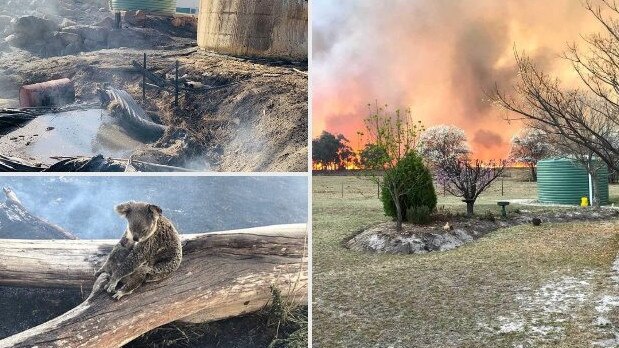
(538, 278)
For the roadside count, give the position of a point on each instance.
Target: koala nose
(135, 239)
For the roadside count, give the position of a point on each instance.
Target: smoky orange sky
(436, 57)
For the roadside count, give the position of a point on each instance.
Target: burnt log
(223, 274)
(96, 163)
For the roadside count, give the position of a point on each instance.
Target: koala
(117, 256)
(119, 253)
(152, 249)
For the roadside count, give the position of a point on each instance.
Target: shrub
(487, 216)
(419, 215)
(417, 180)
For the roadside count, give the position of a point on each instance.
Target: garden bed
(448, 232)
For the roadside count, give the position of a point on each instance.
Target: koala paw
(111, 285)
(118, 295)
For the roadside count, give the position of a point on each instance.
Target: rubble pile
(47, 38)
(66, 27)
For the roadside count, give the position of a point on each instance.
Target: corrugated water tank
(163, 7)
(258, 28)
(564, 181)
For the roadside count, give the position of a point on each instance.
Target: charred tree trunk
(222, 275)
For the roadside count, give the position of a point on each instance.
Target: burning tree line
(399, 155)
(582, 123)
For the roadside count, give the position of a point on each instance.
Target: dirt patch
(543, 314)
(259, 123)
(448, 233)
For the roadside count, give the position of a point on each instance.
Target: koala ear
(155, 209)
(123, 208)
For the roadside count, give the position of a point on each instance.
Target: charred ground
(247, 114)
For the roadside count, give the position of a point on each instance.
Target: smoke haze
(85, 205)
(437, 57)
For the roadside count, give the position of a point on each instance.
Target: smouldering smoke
(437, 57)
(85, 205)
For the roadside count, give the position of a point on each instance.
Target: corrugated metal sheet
(164, 7)
(563, 181)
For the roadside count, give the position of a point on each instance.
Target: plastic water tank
(163, 7)
(564, 181)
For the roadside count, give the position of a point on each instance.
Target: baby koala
(150, 249)
(117, 256)
(113, 262)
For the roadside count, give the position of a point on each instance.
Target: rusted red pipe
(49, 93)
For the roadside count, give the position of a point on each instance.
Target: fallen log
(223, 274)
(12, 164)
(137, 164)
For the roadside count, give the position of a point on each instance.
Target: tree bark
(223, 274)
(470, 204)
(395, 196)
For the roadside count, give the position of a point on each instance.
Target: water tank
(257, 28)
(49, 93)
(564, 181)
(162, 7)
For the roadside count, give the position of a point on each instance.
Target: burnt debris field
(76, 95)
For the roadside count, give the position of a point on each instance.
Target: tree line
(580, 123)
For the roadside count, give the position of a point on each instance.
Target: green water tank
(163, 7)
(564, 181)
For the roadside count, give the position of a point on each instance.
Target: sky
(436, 57)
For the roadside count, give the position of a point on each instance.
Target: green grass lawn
(521, 286)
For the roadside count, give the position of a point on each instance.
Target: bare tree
(468, 179)
(586, 116)
(530, 146)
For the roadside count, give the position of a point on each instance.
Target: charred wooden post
(176, 87)
(223, 274)
(118, 20)
(144, 81)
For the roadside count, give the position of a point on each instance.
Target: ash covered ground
(253, 119)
